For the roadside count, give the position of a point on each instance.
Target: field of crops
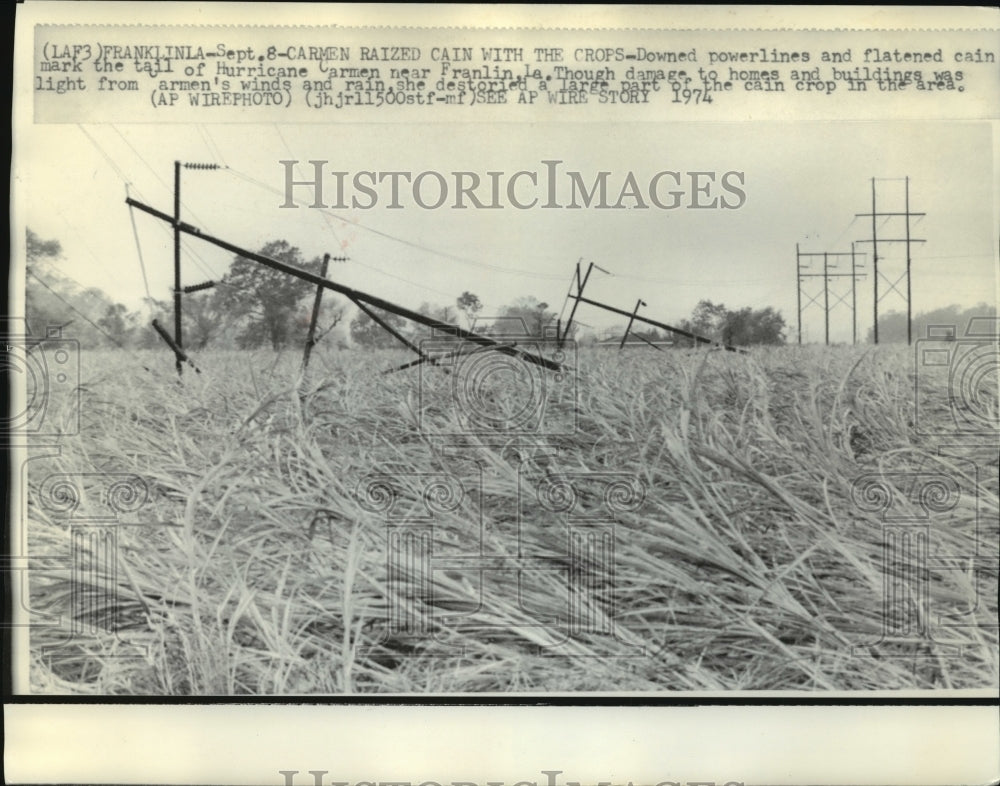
(672, 521)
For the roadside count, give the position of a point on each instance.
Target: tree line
(254, 306)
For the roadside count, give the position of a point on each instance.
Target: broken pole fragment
(178, 352)
(437, 361)
(643, 338)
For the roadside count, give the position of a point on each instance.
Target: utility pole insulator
(198, 287)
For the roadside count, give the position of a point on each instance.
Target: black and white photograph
(484, 362)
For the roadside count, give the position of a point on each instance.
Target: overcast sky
(804, 183)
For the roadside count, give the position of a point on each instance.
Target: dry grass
(255, 566)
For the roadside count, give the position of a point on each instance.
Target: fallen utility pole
(352, 294)
(438, 359)
(654, 323)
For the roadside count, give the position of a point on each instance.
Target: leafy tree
(266, 301)
(535, 316)
(204, 318)
(470, 305)
(53, 300)
(753, 326)
(38, 250)
(42, 307)
(117, 323)
(707, 319)
(440, 313)
(741, 327)
(366, 332)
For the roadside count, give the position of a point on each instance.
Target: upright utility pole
(874, 263)
(854, 299)
(177, 265)
(798, 289)
(907, 239)
(909, 310)
(826, 300)
(826, 275)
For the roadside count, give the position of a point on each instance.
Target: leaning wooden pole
(580, 284)
(631, 321)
